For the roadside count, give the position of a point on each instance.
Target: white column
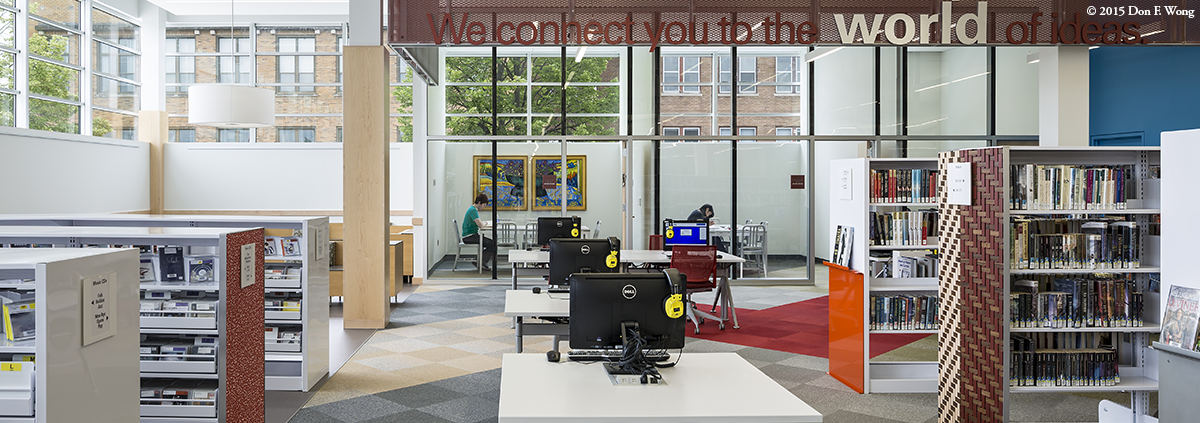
(154, 36)
(420, 178)
(1063, 96)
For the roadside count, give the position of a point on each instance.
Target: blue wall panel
(1143, 91)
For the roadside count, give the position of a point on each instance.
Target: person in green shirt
(470, 231)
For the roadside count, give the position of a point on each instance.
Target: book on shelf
(147, 269)
(904, 227)
(903, 185)
(1049, 362)
(843, 243)
(1061, 302)
(20, 321)
(1180, 318)
(290, 246)
(914, 263)
(1062, 243)
(904, 312)
(1071, 187)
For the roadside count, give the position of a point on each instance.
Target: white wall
(1179, 205)
(226, 176)
(46, 172)
(964, 103)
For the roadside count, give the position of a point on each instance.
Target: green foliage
(512, 99)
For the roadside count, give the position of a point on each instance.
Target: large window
(181, 69)
(787, 72)
(747, 74)
(299, 68)
(681, 70)
(116, 87)
(299, 134)
(228, 65)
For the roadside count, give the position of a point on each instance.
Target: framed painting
(547, 190)
(511, 192)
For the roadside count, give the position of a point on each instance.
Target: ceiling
(222, 8)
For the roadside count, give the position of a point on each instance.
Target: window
(687, 131)
(681, 70)
(747, 74)
(742, 130)
(230, 67)
(297, 69)
(128, 134)
(338, 137)
(233, 135)
(181, 135)
(787, 71)
(180, 69)
(297, 134)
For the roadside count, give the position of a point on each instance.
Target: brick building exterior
(682, 109)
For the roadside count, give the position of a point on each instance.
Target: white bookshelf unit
(291, 365)
(852, 206)
(230, 376)
(69, 380)
(984, 240)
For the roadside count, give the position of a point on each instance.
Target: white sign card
(322, 243)
(958, 186)
(247, 265)
(97, 301)
(845, 186)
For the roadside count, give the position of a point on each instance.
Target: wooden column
(153, 130)
(365, 175)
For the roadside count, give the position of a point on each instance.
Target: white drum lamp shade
(230, 106)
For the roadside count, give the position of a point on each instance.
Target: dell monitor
(603, 306)
(569, 256)
(684, 232)
(558, 227)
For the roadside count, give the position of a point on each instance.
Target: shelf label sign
(10, 367)
(97, 303)
(247, 265)
(845, 185)
(322, 240)
(958, 187)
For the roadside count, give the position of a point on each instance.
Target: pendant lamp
(229, 105)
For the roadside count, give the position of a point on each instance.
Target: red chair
(698, 263)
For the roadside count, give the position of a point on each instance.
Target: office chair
(699, 264)
(596, 231)
(458, 254)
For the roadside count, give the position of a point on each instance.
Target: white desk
(534, 263)
(524, 304)
(703, 387)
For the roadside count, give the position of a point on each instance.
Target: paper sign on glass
(958, 186)
(247, 265)
(97, 301)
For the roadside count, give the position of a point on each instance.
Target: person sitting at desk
(705, 213)
(471, 235)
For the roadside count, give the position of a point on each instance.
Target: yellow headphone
(674, 304)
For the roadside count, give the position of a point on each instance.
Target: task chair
(698, 263)
(458, 254)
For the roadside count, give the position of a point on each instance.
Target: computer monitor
(684, 232)
(568, 256)
(603, 304)
(558, 227)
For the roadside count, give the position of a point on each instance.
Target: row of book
(904, 228)
(171, 266)
(1181, 318)
(158, 391)
(904, 312)
(1071, 187)
(903, 185)
(1061, 367)
(1076, 303)
(1058, 243)
(166, 348)
(20, 322)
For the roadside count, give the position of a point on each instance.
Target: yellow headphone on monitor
(674, 304)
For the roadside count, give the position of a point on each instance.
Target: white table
(534, 263)
(524, 304)
(703, 387)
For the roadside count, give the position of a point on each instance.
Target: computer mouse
(537, 290)
(552, 356)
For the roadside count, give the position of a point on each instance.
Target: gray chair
(458, 257)
(529, 238)
(596, 231)
(753, 247)
(506, 234)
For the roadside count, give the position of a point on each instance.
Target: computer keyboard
(559, 290)
(613, 355)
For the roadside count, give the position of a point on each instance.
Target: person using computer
(705, 213)
(471, 235)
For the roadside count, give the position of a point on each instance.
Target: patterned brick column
(971, 376)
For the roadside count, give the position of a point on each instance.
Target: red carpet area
(800, 327)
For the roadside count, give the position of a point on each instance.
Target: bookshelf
(987, 251)
(912, 191)
(67, 372)
(200, 386)
(292, 365)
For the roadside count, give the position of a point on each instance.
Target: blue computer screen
(684, 232)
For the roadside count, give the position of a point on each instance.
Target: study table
(524, 304)
(533, 390)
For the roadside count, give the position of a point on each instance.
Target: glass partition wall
(648, 136)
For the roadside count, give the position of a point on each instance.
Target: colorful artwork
(547, 198)
(511, 190)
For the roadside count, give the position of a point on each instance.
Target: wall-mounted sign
(549, 182)
(845, 185)
(797, 181)
(898, 22)
(248, 264)
(97, 303)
